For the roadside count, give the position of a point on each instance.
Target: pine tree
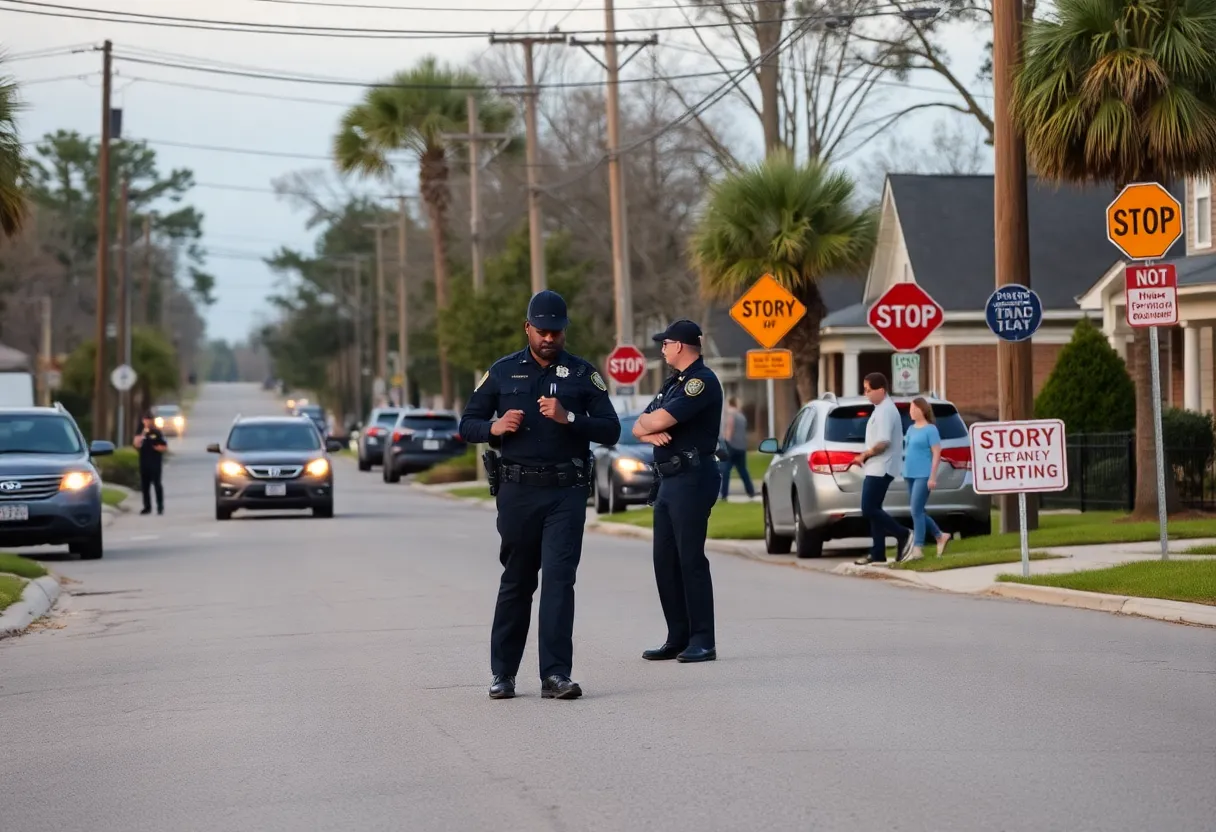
(1089, 388)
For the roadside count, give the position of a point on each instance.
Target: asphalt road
(301, 674)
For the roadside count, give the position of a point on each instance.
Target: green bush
(120, 468)
(1190, 441)
(1089, 388)
(462, 468)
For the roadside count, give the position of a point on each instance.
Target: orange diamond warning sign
(767, 311)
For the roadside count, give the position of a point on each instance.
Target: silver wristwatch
(569, 417)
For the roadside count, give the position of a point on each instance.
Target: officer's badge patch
(562, 372)
(693, 387)
(482, 380)
(598, 381)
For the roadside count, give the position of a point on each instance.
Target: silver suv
(812, 489)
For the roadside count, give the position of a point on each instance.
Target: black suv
(50, 491)
(272, 463)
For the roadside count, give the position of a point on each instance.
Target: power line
(569, 9)
(244, 150)
(47, 52)
(230, 91)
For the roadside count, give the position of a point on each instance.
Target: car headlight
(179, 421)
(159, 422)
(630, 466)
(76, 480)
(231, 469)
(317, 468)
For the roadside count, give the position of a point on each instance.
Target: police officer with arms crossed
(551, 406)
(683, 424)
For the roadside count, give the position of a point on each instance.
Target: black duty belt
(548, 476)
(681, 463)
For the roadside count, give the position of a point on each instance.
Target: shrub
(462, 468)
(120, 468)
(1089, 388)
(1190, 441)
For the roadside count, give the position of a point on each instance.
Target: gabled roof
(948, 228)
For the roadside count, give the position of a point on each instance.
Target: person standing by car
(152, 446)
(551, 405)
(683, 423)
(734, 437)
(884, 445)
(922, 454)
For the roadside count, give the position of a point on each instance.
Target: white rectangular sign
(905, 373)
(1012, 457)
(1151, 295)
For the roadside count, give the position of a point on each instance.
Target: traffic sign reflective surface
(1014, 312)
(123, 377)
(768, 311)
(626, 364)
(1144, 221)
(905, 316)
(770, 364)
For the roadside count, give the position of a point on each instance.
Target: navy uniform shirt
(694, 399)
(515, 382)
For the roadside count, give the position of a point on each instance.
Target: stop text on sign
(1151, 295)
(626, 364)
(1024, 456)
(915, 316)
(1142, 220)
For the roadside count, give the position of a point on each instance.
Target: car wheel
(89, 548)
(365, 464)
(774, 544)
(808, 541)
(391, 472)
(222, 513)
(979, 528)
(615, 506)
(326, 511)
(601, 502)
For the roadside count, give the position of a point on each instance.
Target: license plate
(430, 444)
(14, 513)
(276, 489)
(371, 440)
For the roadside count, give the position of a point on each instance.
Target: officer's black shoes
(503, 687)
(665, 653)
(559, 687)
(146, 511)
(698, 654)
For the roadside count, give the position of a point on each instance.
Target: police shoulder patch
(482, 380)
(598, 381)
(694, 387)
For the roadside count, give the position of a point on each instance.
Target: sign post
(1144, 222)
(768, 311)
(1019, 458)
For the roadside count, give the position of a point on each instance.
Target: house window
(1203, 212)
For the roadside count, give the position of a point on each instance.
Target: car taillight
(958, 457)
(831, 462)
(373, 431)
(456, 436)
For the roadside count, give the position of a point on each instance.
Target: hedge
(120, 468)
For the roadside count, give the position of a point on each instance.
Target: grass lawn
(112, 496)
(1193, 581)
(17, 565)
(1200, 550)
(952, 561)
(477, 492)
(11, 588)
(729, 521)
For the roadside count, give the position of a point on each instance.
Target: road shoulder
(36, 601)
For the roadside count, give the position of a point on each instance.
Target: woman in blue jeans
(922, 454)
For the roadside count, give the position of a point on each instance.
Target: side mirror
(213, 448)
(334, 445)
(100, 447)
(769, 446)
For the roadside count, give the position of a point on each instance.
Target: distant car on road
(622, 471)
(50, 491)
(272, 463)
(170, 419)
(375, 435)
(812, 489)
(421, 439)
(316, 414)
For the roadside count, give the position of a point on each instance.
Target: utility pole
(48, 356)
(358, 273)
(403, 335)
(146, 314)
(621, 279)
(1015, 379)
(535, 231)
(381, 308)
(474, 138)
(123, 342)
(103, 247)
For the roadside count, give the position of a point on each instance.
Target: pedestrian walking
(922, 454)
(881, 461)
(151, 445)
(683, 424)
(734, 438)
(551, 405)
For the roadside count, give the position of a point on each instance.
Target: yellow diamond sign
(767, 311)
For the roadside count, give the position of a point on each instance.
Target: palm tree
(12, 162)
(411, 114)
(1121, 91)
(794, 222)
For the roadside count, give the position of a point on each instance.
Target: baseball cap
(682, 331)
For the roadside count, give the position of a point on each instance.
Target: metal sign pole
(1155, 363)
(771, 392)
(1024, 534)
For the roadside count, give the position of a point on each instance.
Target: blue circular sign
(1014, 312)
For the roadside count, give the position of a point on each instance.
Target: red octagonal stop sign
(626, 364)
(905, 316)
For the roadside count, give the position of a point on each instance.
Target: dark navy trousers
(541, 531)
(681, 570)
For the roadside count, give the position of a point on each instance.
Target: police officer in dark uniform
(551, 405)
(152, 446)
(683, 423)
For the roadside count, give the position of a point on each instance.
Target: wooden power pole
(146, 310)
(403, 333)
(1015, 380)
(381, 301)
(122, 344)
(103, 247)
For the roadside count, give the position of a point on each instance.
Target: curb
(884, 573)
(1177, 612)
(36, 601)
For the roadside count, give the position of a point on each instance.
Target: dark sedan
(622, 471)
(420, 440)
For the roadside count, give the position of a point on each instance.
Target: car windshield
(435, 422)
(38, 434)
(167, 410)
(387, 417)
(313, 411)
(627, 437)
(274, 437)
(848, 424)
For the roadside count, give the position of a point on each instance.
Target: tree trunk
(1146, 447)
(433, 173)
(803, 342)
(771, 17)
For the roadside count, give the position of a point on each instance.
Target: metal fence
(1102, 474)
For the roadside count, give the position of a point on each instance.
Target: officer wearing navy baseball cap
(550, 405)
(683, 423)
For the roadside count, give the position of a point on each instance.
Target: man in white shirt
(882, 460)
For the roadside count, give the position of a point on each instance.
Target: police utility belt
(680, 463)
(561, 475)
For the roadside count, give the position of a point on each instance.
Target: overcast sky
(245, 224)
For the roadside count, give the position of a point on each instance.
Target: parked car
(375, 434)
(812, 488)
(621, 473)
(421, 439)
(170, 419)
(50, 490)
